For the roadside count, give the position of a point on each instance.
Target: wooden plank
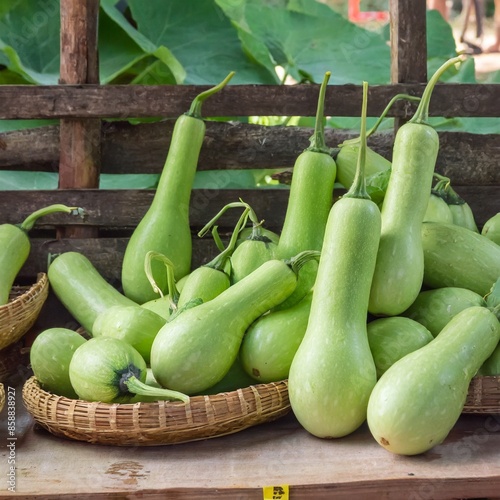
(466, 158)
(408, 45)
(79, 161)
(127, 101)
(105, 253)
(408, 42)
(465, 465)
(123, 209)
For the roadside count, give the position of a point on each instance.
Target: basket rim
(156, 423)
(282, 384)
(41, 283)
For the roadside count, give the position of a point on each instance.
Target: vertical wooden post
(80, 139)
(408, 42)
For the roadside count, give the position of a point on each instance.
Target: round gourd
(50, 356)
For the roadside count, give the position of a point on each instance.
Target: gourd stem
(318, 138)
(135, 386)
(220, 260)
(444, 190)
(173, 293)
(422, 113)
(30, 221)
(236, 204)
(302, 258)
(217, 239)
(381, 118)
(358, 188)
(195, 109)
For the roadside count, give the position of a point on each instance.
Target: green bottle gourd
(400, 262)
(196, 350)
(491, 229)
(165, 227)
(15, 245)
(309, 203)
(270, 344)
(333, 372)
(418, 400)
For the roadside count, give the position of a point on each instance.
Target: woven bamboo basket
(2, 397)
(22, 310)
(158, 423)
(483, 395)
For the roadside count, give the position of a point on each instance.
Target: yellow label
(275, 492)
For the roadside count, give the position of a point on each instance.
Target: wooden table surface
(238, 466)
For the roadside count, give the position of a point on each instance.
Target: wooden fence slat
(80, 145)
(128, 101)
(121, 210)
(408, 42)
(465, 158)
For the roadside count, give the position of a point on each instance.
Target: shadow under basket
(483, 396)
(22, 310)
(157, 423)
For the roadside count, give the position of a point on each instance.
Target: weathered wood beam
(80, 146)
(408, 44)
(128, 101)
(466, 158)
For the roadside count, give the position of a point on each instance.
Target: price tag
(275, 492)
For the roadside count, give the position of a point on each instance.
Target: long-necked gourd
(195, 350)
(418, 400)
(82, 289)
(15, 245)
(400, 262)
(333, 373)
(165, 227)
(309, 203)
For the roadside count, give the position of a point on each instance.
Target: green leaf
(306, 37)
(200, 36)
(8, 125)
(163, 68)
(29, 38)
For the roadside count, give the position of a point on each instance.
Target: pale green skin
(271, 342)
(82, 289)
(50, 356)
(333, 372)
(135, 325)
(400, 261)
(438, 210)
(491, 229)
(15, 248)
(309, 204)
(392, 338)
(418, 400)
(491, 367)
(456, 256)
(435, 308)
(463, 216)
(347, 160)
(165, 226)
(160, 306)
(195, 351)
(94, 365)
(203, 283)
(248, 256)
